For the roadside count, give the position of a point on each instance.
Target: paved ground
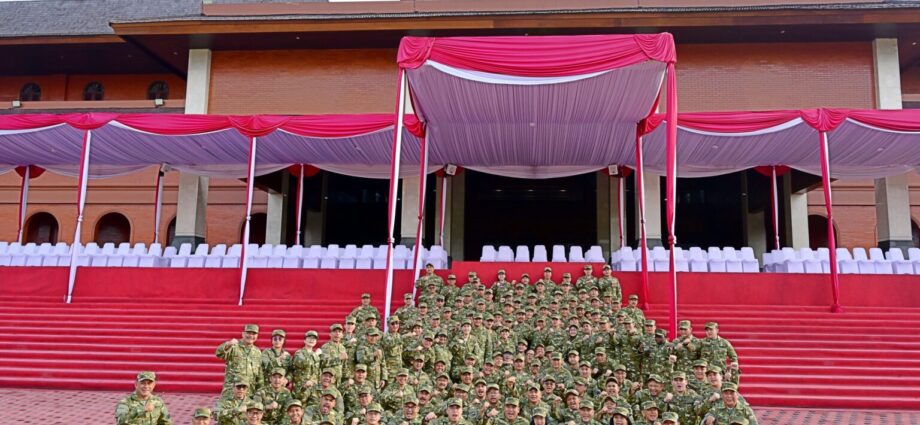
(56, 407)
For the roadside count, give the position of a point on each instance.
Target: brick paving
(60, 407)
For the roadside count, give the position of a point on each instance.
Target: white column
(274, 220)
(796, 214)
(892, 203)
(409, 212)
(652, 209)
(191, 209)
(455, 225)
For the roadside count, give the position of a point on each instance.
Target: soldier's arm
(223, 351)
(165, 419)
(124, 414)
(732, 354)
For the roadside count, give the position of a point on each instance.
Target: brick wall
(70, 87)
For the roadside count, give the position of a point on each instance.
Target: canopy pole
(828, 205)
(422, 183)
(250, 183)
(299, 205)
(621, 206)
(775, 206)
(640, 197)
(443, 211)
(158, 204)
(23, 201)
(394, 185)
(671, 190)
(81, 202)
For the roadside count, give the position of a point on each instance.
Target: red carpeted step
(825, 379)
(108, 385)
(864, 370)
(841, 389)
(878, 400)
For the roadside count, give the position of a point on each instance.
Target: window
(113, 227)
(256, 228)
(158, 90)
(41, 228)
(93, 91)
(30, 92)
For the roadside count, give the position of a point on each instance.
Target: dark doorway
(509, 211)
(114, 228)
(41, 228)
(256, 228)
(817, 231)
(356, 210)
(709, 212)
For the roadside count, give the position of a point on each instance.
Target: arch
(915, 233)
(817, 231)
(113, 227)
(171, 232)
(30, 92)
(256, 228)
(94, 91)
(158, 90)
(41, 228)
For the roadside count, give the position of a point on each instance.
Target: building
(315, 57)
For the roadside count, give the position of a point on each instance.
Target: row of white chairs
(694, 259)
(218, 256)
(521, 254)
(875, 261)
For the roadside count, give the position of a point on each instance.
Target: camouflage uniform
(332, 356)
(242, 362)
(131, 409)
(306, 366)
(232, 411)
(267, 395)
(725, 415)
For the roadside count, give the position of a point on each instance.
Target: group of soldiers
(515, 353)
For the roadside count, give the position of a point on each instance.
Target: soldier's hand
(493, 413)
(608, 372)
(709, 420)
(636, 385)
(308, 384)
(668, 398)
(714, 397)
(672, 359)
(354, 421)
(734, 365)
(149, 406)
(343, 356)
(430, 416)
(234, 341)
(274, 405)
(378, 353)
(594, 371)
(285, 355)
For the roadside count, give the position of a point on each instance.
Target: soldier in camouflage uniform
(510, 414)
(657, 355)
(715, 349)
(633, 310)
(453, 414)
(306, 366)
(231, 410)
(408, 311)
(685, 347)
(588, 280)
(392, 346)
(683, 401)
(628, 345)
(607, 284)
(202, 416)
(652, 393)
(275, 356)
(409, 415)
(142, 407)
(730, 409)
(697, 381)
(649, 414)
(324, 410)
(242, 358)
(370, 354)
(670, 418)
(365, 308)
(396, 392)
(274, 397)
(335, 355)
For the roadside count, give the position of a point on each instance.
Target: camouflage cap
(600, 350)
(455, 402)
(451, 276)
(365, 295)
(649, 322)
(607, 267)
(684, 324)
(571, 392)
(461, 387)
(511, 401)
(410, 400)
(375, 407)
(588, 267)
(330, 393)
(402, 372)
(678, 375)
(540, 411)
(335, 327)
(669, 417)
(479, 382)
(279, 371)
(374, 332)
(202, 412)
(329, 371)
(700, 363)
(533, 386)
(293, 403)
(729, 386)
(311, 334)
(393, 319)
(424, 388)
(566, 274)
(586, 404)
(654, 377)
(712, 325)
(364, 389)
(501, 271)
(649, 405)
(251, 328)
(254, 405)
(661, 333)
(240, 382)
(370, 317)
(628, 320)
(146, 376)
(619, 367)
(523, 275)
(492, 387)
(360, 367)
(548, 377)
(351, 321)
(714, 369)
(279, 332)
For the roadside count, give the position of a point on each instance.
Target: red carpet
(793, 351)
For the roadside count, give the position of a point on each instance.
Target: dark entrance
(509, 211)
(709, 211)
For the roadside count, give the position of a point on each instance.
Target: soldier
(370, 354)
(242, 358)
(334, 353)
(588, 280)
(232, 410)
(671, 418)
(649, 414)
(731, 408)
(633, 310)
(276, 356)
(683, 401)
(547, 281)
(658, 359)
(409, 414)
(202, 416)
(586, 414)
(510, 414)
(501, 286)
(627, 344)
(621, 416)
(686, 347)
(714, 349)
(392, 346)
(699, 382)
(254, 413)
(325, 410)
(652, 393)
(142, 407)
(374, 415)
(355, 386)
(607, 284)
(294, 410)
(453, 414)
(326, 385)
(306, 366)
(274, 397)
(396, 392)
(365, 308)
(357, 412)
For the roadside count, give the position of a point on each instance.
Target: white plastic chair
(401, 257)
(3, 247)
(522, 254)
(293, 257)
(733, 262)
(680, 260)
(505, 254)
(101, 258)
(866, 266)
(576, 255)
(215, 258)
(898, 263)
(594, 255)
(258, 256)
(824, 256)
(180, 259)
(6, 258)
(133, 258)
(349, 256)
(698, 262)
(789, 261)
(365, 258)
(660, 260)
(232, 259)
(59, 253)
(810, 261)
(913, 255)
(882, 265)
(749, 263)
(380, 257)
(559, 254)
(716, 260)
(768, 262)
(275, 259)
(312, 257)
(539, 254)
(845, 262)
(197, 259)
(37, 258)
(488, 254)
(629, 260)
(437, 257)
(330, 259)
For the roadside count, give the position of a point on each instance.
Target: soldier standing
(370, 355)
(730, 410)
(242, 358)
(232, 410)
(276, 356)
(715, 349)
(142, 407)
(202, 416)
(365, 308)
(306, 366)
(607, 284)
(588, 280)
(334, 354)
(274, 396)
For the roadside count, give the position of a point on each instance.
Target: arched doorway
(114, 228)
(41, 228)
(171, 232)
(817, 231)
(256, 228)
(915, 233)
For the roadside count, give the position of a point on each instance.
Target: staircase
(790, 356)
(808, 357)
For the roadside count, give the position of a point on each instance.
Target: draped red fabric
(725, 122)
(895, 120)
(831, 238)
(308, 170)
(539, 56)
(823, 119)
(330, 126)
(767, 170)
(34, 171)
